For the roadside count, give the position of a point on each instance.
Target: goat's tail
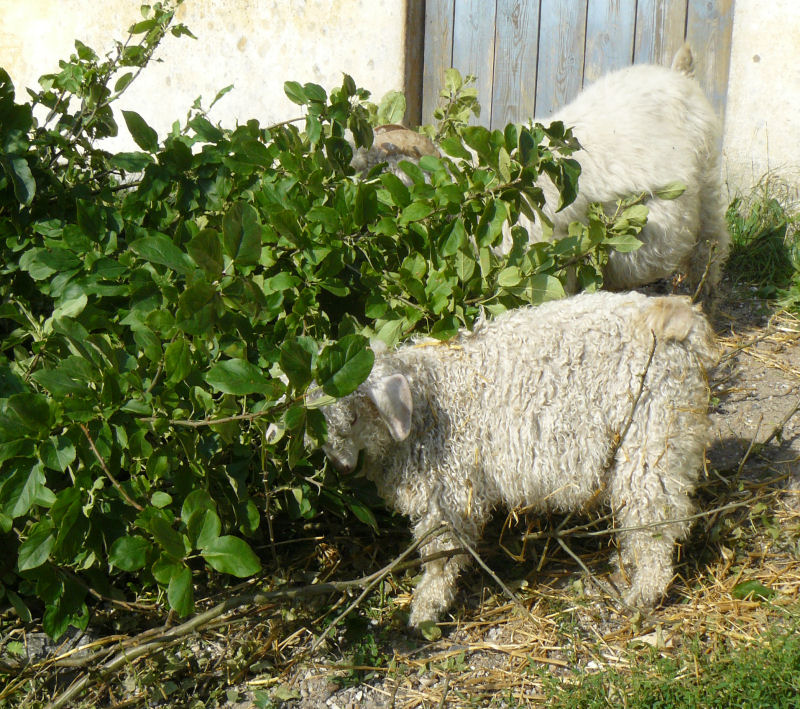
(683, 61)
(675, 318)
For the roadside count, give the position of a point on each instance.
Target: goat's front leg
(436, 590)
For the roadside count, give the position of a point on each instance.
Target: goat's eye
(354, 419)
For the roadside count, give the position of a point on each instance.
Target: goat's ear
(392, 396)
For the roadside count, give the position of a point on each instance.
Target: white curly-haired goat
(538, 409)
(640, 129)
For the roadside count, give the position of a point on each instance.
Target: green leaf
(504, 165)
(313, 129)
(477, 138)
(160, 499)
(671, 190)
(197, 500)
(178, 360)
(464, 264)
(143, 135)
(280, 282)
(19, 173)
(342, 366)
(636, 213)
(57, 452)
(327, 216)
(415, 211)
(430, 631)
(204, 528)
(455, 239)
(206, 251)
(452, 80)
(294, 92)
(180, 593)
(131, 162)
(490, 226)
(366, 207)
(314, 92)
(392, 108)
(58, 382)
(509, 277)
(21, 609)
(205, 130)
(31, 410)
(455, 148)
(42, 263)
(398, 191)
(624, 243)
(297, 361)
(23, 489)
(129, 553)
(241, 234)
(122, 83)
(363, 513)
(35, 550)
(753, 589)
(164, 568)
(158, 248)
(238, 377)
(170, 540)
(543, 287)
(231, 555)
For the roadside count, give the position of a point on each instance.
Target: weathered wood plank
(660, 26)
(515, 57)
(610, 27)
(709, 29)
(438, 52)
(414, 61)
(561, 43)
(473, 48)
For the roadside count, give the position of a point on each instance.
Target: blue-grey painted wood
(708, 31)
(610, 28)
(473, 48)
(515, 56)
(533, 56)
(660, 28)
(438, 53)
(562, 34)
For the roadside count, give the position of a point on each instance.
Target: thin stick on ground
(376, 579)
(707, 270)
(134, 649)
(781, 425)
(509, 593)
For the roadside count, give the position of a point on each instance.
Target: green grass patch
(761, 675)
(765, 239)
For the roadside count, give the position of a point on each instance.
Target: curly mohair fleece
(524, 411)
(641, 128)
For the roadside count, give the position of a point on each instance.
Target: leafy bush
(161, 309)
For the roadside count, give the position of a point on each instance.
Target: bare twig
(103, 465)
(578, 532)
(703, 278)
(509, 593)
(376, 578)
(780, 426)
(134, 648)
(612, 454)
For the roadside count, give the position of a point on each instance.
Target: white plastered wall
(762, 124)
(259, 44)
(254, 44)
